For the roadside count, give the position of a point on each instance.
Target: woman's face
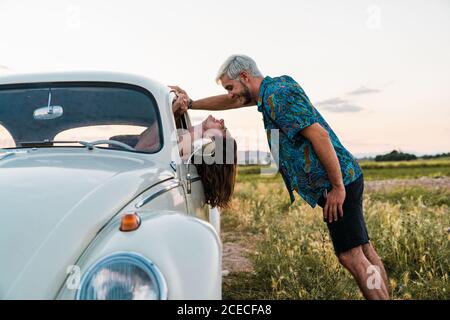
(215, 125)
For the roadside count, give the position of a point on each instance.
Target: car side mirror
(201, 147)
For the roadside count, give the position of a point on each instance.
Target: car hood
(53, 202)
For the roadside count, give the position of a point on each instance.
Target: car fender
(186, 250)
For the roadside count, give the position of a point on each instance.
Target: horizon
(357, 156)
(378, 71)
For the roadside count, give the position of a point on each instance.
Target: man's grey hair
(235, 64)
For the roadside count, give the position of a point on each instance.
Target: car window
(38, 114)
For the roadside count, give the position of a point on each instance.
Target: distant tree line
(441, 155)
(402, 156)
(396, 156)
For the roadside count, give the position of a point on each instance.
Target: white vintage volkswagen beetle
(83, 214)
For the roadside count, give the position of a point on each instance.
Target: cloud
(363, 90)
(344, 107)
(389, 83)
(332, 101)
(338, 105)
(4, 69)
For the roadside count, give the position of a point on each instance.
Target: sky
(378, 71)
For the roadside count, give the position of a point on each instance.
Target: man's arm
(214, 103)
(324, 149)
(220, 102)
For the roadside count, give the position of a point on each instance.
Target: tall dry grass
(294, 257)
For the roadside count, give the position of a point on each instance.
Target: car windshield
(62, 114)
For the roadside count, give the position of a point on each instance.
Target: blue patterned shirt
(285, 106)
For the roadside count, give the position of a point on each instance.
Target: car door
(195, 198)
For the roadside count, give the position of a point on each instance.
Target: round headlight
(123, 276)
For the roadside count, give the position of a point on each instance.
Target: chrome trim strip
(157, 194)
(7, 153)
(170, 177)
(195, 179)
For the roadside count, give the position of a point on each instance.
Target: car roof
(85, 76)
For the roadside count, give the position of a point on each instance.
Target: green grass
(294, 257)
(406, 195)
(405, 173)
(430, 163)
(371, 170)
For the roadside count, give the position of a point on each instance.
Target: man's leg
(372, 256)
(357, 263)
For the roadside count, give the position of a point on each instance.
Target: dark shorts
(349, 231)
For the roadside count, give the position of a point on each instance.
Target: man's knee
(350, 257)
(369, 251)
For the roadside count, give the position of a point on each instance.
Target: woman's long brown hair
(219, 177)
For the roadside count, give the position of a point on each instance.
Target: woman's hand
(180, 105)
(178, 91)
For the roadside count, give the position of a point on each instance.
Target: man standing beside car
(312, 161)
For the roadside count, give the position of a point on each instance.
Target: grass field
(374, 170)
(406, 169)
(291, 254)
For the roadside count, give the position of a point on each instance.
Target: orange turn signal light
(130, 222)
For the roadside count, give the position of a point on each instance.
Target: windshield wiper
(89, 145)
(45, 143)
(4, 153)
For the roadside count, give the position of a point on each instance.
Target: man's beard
(245, 93)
